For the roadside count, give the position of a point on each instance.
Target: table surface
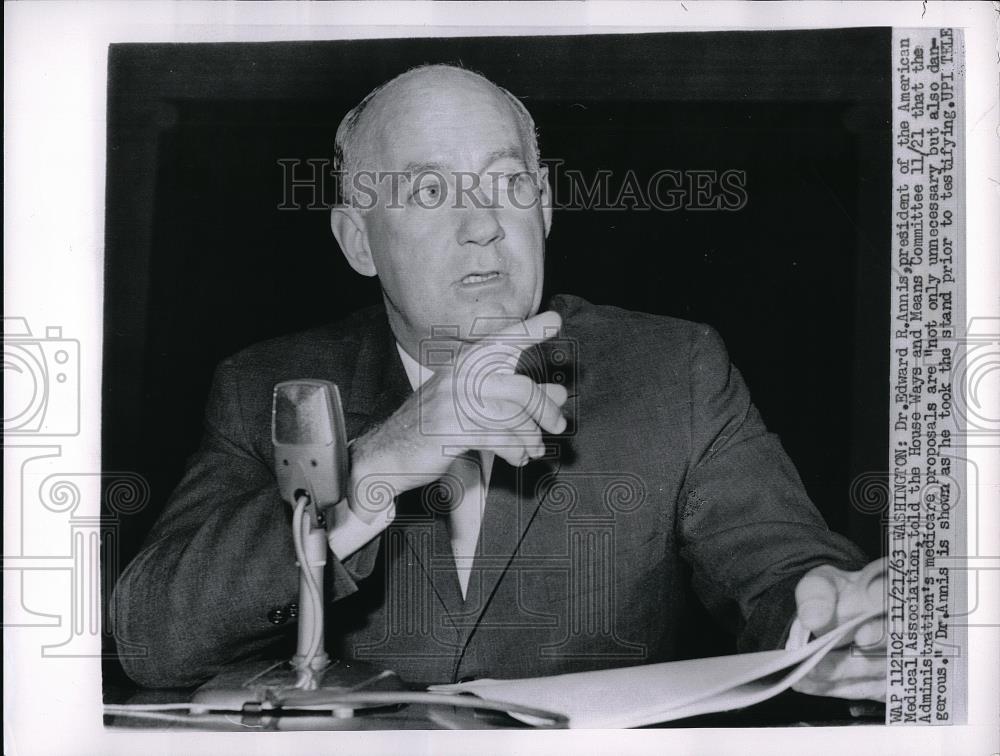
(789, 709)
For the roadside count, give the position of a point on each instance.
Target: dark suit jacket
(665, 474)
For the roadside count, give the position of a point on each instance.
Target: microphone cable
(306, 673)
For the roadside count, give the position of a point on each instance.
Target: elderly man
(531, 491)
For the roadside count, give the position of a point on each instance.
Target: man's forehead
(442, 162)
(447, 121)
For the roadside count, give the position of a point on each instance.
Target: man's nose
(479, 225)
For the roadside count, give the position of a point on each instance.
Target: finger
(871, 635)
(513, 455)
(556, 393)
(532, 401)
(516, 447)
(873, 570)
(852, 601)
(850, 689)
(816, 598)
(535, 329)
(873, 577)
(554, 420)
(863, 591)
(846, 664)
(845, 674)
(528, 440)
(511, 341)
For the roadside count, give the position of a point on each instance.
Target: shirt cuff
(348, 532)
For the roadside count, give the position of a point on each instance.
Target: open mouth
(479, 278)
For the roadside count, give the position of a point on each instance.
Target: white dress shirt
(467, 515)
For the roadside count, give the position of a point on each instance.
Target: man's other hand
(476, 402)
(827, 597)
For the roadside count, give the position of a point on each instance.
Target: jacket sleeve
(218, 560)
(746, 524)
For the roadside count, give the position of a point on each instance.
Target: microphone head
(302, 413)
(310, 442)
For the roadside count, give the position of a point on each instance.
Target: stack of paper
(653, 693)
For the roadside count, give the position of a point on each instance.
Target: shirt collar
(416, 373)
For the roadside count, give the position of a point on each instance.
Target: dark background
(200, 260)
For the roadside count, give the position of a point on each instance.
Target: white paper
(652, 693)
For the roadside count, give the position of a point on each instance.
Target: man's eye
(515, 178)
(425, 193)
(519, 188)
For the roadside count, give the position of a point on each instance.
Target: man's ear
(545, 197)
(349, 229)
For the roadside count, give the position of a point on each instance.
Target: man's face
(447, 253)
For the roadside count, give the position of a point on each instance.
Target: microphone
(310, 443)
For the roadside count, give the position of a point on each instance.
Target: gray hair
(352, 145)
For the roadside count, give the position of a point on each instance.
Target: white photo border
(55, 101)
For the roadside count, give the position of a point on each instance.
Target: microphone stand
(307, 429)
(258, 683)
(311, 658)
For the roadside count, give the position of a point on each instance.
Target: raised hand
(473, 401)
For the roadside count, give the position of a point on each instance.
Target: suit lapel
(515, 494)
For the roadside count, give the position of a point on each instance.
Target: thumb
(816, 599)
(535, 329)
(506, 345)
